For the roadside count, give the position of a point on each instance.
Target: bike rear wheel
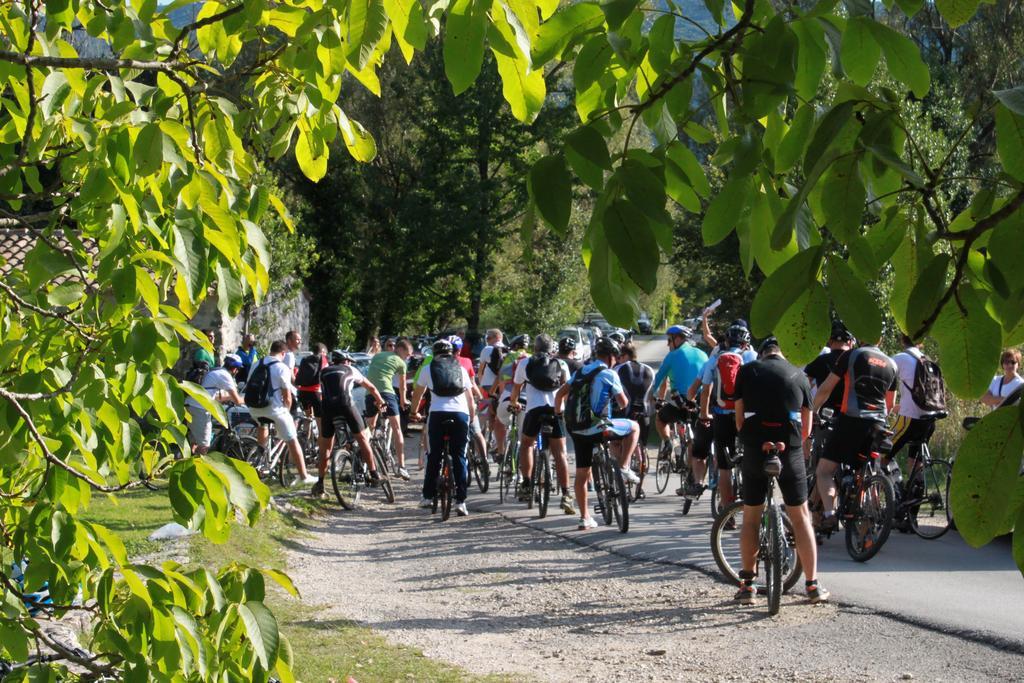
(871, 520)
(446, 487)
(542, 485)
(385, 479)
(773, 563)
(662, 470)
(618, 496)
(601, 493)
(725, 547)
(507, 473)
(481, 471)
(346, 490)
(930, 519)
(639, 462)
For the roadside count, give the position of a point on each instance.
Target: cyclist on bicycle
(681, 367)
(637, 379)
(818, 370)
(336, 383)
(221, 384)
(773, 404)
(870, 378)
(451, 409)
(567, 354)
(502, 388)
(476, 433)
(542, 376)
(385, 368)
(604, 388)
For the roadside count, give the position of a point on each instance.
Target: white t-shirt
(489, 375)
(445, 404)
(535, 398)
(280, 380)
(218, 379)
(1007, 387)
(906, 364)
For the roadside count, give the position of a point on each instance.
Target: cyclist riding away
(384, 368)
(502, 388)
(476, 434)
(221, 384)
(682, 367)
(567, 354)
(637, 379)
(773, 404)
(307, 381)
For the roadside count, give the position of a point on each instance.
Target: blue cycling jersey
(682, 366)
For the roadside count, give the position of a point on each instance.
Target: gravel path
(496, 597)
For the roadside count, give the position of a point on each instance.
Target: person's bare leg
(806, 547)
(725, 492)
(699, 468)
(627, 445)
(398, 439)
(296, 452)
(526, 445)
(325, 444)
(561, 463)
(580, 485)
(363, 439)
(748, 536)
(826, 484)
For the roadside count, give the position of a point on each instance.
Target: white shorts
(200, 426)
(281, 418)
(505, 415)
(474, 425)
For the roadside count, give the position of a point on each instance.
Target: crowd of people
(733, 395)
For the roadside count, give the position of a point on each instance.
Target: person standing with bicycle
(451, 409)
(774, 405)
(221, 384)
(385, 368)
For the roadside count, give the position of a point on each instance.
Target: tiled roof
(16, 243)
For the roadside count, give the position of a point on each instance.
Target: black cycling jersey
(820, 368)
(336, 384)
(636, 380)
(573, 364)
(773, 391)
(869, 375)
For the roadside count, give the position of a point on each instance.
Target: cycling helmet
(840, 333)
(442, 347)
(737, 335)
(543, 344)
(768, 344)
(456, 342)
(566, 345)
(606, 347)
(679, 331)
(617, 337)
(339, 356)
(520, 343)
(232, 361)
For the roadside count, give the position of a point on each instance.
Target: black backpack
(259, 387)
(544, 372)
(336, 384)
(929, 390)
(497, 358)
(446, 376)
(197, 373)
(308, 374)
(578, 413)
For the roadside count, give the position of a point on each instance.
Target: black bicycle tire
(773, 563)
(544, 483)
(942, 474)
(509, 470)
(638, 490)
(621, 493)
(662, 470)
(791, 576)
(601, 493)
(284, 467)
(534, 478)
(687, 504)
(856, 548)
(342, 462)
(385, 479)
(447, 486)
(483, 475)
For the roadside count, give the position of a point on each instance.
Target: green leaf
(587, 153)
(842, 197)
(1010, 141)
(804, 325)
(66, 294)
(617, 11)
(593, 60)
(367, 22)
(985, 474)
(795, 141)
(860, 51)
(782, 288)
(464, 33)
(524, 90)
(242, 495)
(812, 57)
(680, 155)
(903, 58)
(827, 132)
(969, 344)
(358, 140)
(857, 307)
(612, 291)
(645, 189)
(261, 628)
(566, 24)
(1012, 99)
(927, 291)
(631, 239)
(725, 210)
(957, 12)
(282, 580)
(550, 187)
(312, 167)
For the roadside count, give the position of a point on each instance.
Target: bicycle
(541, 478)
(639, 461)
(480, 466)
(444, 492)
(348, 471)
(309, 436)
(922, 501)
(737, 479)
(610, 488)
(776, 541)
(508, 470)
(382, 440)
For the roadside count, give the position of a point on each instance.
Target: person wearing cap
(818, 370)
(567, 354)
(221, 384)
(773, 405)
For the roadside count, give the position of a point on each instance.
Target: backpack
(544, 372)
(259, 387)
(578, 413)
(197, 373)
(496, 359)
(446, 376)
(929, 389)
(727, 367)
(308, 374)
(336, 384)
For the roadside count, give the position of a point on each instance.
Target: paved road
(944, 584)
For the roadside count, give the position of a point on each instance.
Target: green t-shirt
(383, 368)
(203, 354)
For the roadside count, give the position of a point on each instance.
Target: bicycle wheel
(725, 547)
(446, 488)
(662, 470)
(481, 471)
(619, 497)
(639, 464)
(930, 519)
(385, 480)
(601, 493)
(543, 483)
(773, 562)
(871, 519)
(284, 467)
(507, 474)
(346, 490)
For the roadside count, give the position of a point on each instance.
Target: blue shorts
(391, 407)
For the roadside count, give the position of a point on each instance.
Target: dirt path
(497, 597)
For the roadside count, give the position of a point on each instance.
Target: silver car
(584, 339)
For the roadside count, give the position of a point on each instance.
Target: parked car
(583, 337)
(643, 324)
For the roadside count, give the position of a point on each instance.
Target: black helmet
(520, 343)
(566, 345)
(617, 337)
(543, 344)
(442, 347)
(338, 356)
(767, 344)
(737, 335)
(606, 346)
(840, 333)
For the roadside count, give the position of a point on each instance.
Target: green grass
(324, 650)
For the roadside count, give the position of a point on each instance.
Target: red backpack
(727, 366)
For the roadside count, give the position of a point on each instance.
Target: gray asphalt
(943, 584)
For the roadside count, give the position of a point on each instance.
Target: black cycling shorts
(724, 428)
(311, 399)
(533, 419)
(851, 437)
(792, 481)
(703, 436)
(348, 413)
(670, 413)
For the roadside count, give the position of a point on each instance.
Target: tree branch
(56, 315)
(186, 30)
(93, 63)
